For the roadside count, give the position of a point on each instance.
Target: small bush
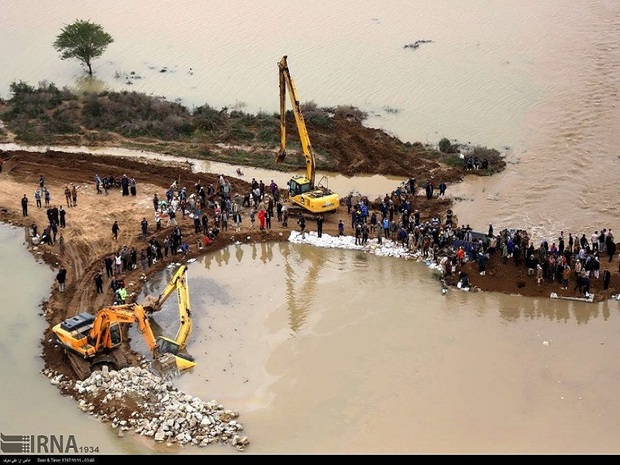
(238, 133)
(495, 159)
(350, 113)
(269, 135)
(454, 161)
(445, 146)
(207, 118)
(241, 118)
(323, 121)
(63, 122)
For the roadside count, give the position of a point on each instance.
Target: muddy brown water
(333, 351)
(339, 351)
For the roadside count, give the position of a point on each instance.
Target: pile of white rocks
(136, 399)
(387, 248)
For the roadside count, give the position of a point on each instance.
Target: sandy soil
(88, 237)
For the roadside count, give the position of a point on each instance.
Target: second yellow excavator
(302, 189)
(93, 340)
(180, 284)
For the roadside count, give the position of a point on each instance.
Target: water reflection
(514, 308)
(238, 253)
(89, 84)
(606, 310)
(271, 331)
(301, 283)
(301, 272)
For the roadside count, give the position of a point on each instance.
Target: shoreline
(253, 236)
(89, 240)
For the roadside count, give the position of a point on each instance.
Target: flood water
(339, 351)
(329, 351)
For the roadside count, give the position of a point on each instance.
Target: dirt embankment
(88, 236)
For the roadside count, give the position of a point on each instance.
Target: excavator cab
(116, 337)
(182, 360)
(298, 185)
(168, 361)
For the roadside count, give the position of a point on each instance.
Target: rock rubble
(136, 399)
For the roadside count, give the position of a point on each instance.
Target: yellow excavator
(93, 340)
(179, 283)
(302, 189)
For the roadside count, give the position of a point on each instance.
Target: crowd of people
(210, 208)
(126, 184)
(568, 261)
(56, 215)
(441, 240)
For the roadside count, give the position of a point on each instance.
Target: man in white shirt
(594, 240)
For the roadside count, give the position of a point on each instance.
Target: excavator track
(80, 366)
(295, 211)
(83, 368)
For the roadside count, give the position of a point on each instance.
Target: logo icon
(15, 443)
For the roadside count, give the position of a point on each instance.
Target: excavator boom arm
(128, 313)
(173, 284)
(179, 283)
(185, 314)
(282, 152)
(286, 82)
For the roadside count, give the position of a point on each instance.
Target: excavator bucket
(170, 366)
(151, 304)
(166, 366)
(281, 156)
(184, 362)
